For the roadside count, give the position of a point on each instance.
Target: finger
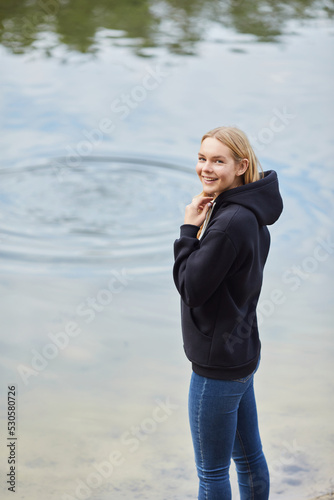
(207, 203)
(201, 202)
(204, 210)
(202, 199)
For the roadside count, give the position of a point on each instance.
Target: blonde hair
(237, 141)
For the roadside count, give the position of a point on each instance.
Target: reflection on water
(174, 24)
(69, 228)
(56, 213)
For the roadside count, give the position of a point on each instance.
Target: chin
(208, 189)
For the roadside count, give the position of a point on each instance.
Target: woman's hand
(197, 210)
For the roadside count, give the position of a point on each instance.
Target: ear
(242, 167)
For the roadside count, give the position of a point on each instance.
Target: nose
(207, 167)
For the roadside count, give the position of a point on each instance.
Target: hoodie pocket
(196, 344)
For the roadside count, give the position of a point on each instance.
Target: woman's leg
(213, 415)
(253, 475)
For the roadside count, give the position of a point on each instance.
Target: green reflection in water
(174, 24)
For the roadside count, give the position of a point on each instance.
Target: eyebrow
(217, 156)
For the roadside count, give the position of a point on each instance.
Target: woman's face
(216, 167)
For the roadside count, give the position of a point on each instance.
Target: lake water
(103, 107)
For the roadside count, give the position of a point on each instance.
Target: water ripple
(107, 209)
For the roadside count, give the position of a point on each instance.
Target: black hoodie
(219, 278)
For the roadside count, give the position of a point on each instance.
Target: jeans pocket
(243, 380)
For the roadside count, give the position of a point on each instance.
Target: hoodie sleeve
(201, 265)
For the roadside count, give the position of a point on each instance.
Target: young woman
(218, 270)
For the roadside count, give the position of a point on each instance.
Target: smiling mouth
(209, 179)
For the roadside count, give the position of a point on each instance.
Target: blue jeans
(224, 425)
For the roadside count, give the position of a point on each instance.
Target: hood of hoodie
(262, 197)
